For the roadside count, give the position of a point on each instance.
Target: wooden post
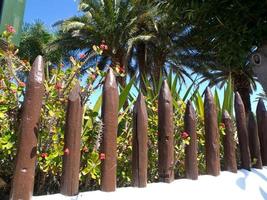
(262, 130)
(242, 132)
(165, 138)
(72, 139)
(229, 144)
(211, 135)
(139, 156)
(254, 143)
(108, 152)
(23, 179)
(191, 167)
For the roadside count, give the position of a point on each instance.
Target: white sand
(250, 185)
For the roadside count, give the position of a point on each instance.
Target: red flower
(85, 149)
(22, 84)
(103, 46)
(10, 29)
(67, 151)
(184, 135)
(222, 125)
(121, 69)
(102, 156)
(82, 56)
(44, 155)
(58, 86)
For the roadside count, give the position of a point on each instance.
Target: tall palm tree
(109, 21)
(170, 45)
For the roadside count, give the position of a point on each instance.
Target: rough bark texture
(211, 135)
(242, 132)
(254, 143)
(23, 179)
(72, 142)
(191, 167)
(165, 140)
(229, 144)
(262, 130)
(139, 157)
(110, 126)
(242, 86)
(141, 57)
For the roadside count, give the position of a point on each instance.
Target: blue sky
(50, 11)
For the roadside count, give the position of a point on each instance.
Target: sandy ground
(249, 185)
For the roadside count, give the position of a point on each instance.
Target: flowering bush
(58, 82)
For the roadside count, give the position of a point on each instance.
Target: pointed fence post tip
(37, 71)
(110, 78)
(75, 92)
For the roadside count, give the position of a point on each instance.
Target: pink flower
(121, 69)
(103, 47)
(82, 56)
(58, 86)
(102, 156)
(67, 151)
(184, 135)
(10, 29)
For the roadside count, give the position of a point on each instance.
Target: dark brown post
(72, 139)
(242, 132)
(211, 135)
(254, 143)
(165, 138)
(191, 167)
(262, 130)
(140, 126)
(23, 179)
(108, 152)
(229, 144)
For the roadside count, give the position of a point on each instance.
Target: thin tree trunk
(242, 86)
(159, 64)
(141, 57)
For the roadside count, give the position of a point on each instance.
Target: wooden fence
(252, 137)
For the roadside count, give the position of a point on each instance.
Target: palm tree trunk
(242, 86)
(141, 57)
(159, 64)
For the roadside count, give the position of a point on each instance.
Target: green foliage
(35, 40)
